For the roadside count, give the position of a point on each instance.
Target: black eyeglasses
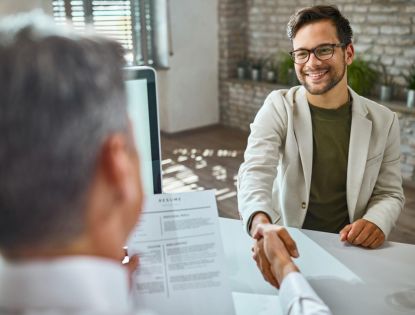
(322, 52)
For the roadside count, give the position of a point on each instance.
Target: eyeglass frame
(312, 51)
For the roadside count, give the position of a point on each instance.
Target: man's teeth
(316, 74)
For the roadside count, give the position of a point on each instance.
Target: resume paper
(182, 264)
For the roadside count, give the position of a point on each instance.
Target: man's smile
(316, 75)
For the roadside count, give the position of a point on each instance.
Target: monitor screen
(143, 111)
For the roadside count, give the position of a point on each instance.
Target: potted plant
(361, 76)
(270, 68)
(242, 68)
(270, 71)
(386, 84)
(256, 69)
(410, 80)
(286, 72)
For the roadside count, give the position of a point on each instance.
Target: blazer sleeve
(258, 171)
(387, 199)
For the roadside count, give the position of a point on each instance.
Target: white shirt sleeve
(298, 297)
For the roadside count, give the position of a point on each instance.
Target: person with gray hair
(70, 190)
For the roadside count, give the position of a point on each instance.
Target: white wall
(14, 6)
(188, 91)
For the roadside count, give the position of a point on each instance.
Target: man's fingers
(368, 230)
(254, 250)
(262, 262)
(343, 233)
(363, 233)
(372, 237)
(132, 264)
(281, 233)
(378, 241)
(288, 242)
(258, 231)
(259, 218)
(375, 243)
(357, 227)
(267, 274)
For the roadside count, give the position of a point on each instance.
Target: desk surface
(351, 280)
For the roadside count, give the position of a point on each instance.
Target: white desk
(351, 280)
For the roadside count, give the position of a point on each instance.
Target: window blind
(127, 21)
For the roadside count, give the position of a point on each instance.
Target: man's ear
(121, 168)
(349, 54)
(115, 196)
(116, 164)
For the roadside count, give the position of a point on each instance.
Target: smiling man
(320, 156)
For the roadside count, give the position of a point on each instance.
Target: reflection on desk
(351, 280)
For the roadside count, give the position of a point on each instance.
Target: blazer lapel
(304, 133)
(360, 133)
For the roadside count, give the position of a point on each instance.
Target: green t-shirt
(327, 209)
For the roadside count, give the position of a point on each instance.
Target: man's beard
(334, 80)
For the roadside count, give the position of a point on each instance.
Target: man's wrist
(258, 218)
(280, 271)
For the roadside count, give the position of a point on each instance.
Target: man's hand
(258, 254)
(272, 252)
(259, 218)
(131, 264)
(258, 249)
(364, 233)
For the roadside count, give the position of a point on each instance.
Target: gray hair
(61, 95)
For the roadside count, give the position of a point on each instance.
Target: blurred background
(217, 60)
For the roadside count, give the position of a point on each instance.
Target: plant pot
(240, 73)
(385, 93)
(271, 76)
(255, 74)
(410, 99)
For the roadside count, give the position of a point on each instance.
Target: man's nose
(313, 60)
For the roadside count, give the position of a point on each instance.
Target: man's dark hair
(61, 95)
(316, 13)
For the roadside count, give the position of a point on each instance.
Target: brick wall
(232, 46)
(384, 31)
(243, 99)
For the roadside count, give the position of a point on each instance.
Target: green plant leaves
(361, 76)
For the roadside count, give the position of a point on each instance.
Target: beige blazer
(276, 174)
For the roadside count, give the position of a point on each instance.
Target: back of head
(319, 13)
(61, 95)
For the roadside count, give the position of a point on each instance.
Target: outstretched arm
(296, 295)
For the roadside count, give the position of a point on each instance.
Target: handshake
(273, 251)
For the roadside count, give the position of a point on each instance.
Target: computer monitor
(143, 110)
